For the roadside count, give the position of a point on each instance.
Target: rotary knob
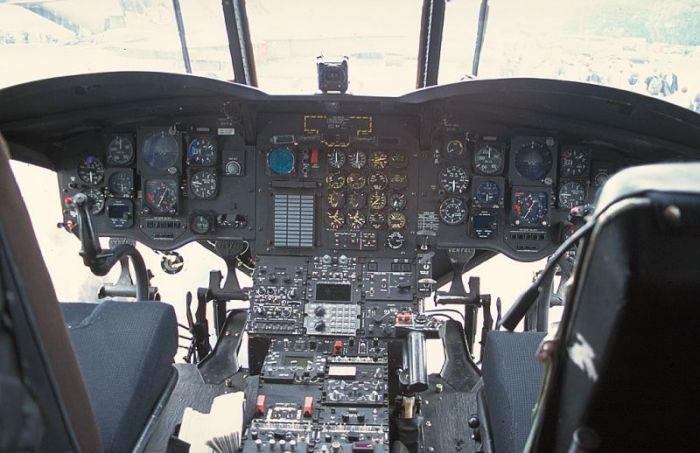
(320, 311)
(319, 326)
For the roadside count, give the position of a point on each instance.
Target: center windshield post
(430, 42)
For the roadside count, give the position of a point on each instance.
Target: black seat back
(628, 358)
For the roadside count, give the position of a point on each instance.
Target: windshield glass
(49, 38)
(645, 46)
(379, 37)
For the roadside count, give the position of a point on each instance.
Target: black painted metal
(480, 34)
(240, 46)
(430, 42)
(183, 39)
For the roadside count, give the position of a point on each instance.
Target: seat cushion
(512, 379)
(125, 351)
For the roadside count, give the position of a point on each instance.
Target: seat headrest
(634, 181)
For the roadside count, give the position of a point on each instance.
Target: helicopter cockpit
(346, 223)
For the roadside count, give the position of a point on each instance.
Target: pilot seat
(108, 365)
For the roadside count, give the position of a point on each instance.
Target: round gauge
(91, 170)
(453, 211)
(203, 183)
(398, 181)
(488, 193)
(356, 200)
(335, 180)
(120, 150)
(378, 160)
(397, 159)
(395, 240)
(162, 195)
(489, 159)
(202, 152)
(454, 179)
(574, 162)
(378, 181)
(396, 220)
(377, 200)
(533, 161)
(336, 158)
(200, 224)
(397, 201)
(161, 151)
(336, 199)
(600, 178)
(96, 199)
(356, 219)
(454, 149)
(377, 220)
(530, 208)
(280, 161)
(121, 183)
(356, 181)
(336, 219)
(572, 194)
(357, 159)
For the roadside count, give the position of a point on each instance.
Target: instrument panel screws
(438, 388)
(428, 424)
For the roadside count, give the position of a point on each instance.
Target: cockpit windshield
(644, 46)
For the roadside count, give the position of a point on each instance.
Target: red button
(260, 405)
(314, 156)
(308, 406)
(337, 347)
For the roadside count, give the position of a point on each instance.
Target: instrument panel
(361, 185)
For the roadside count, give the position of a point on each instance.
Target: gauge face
(356, 200)
(120, 150)
(489, 159)
(335, 180)
(357, 159)
(161, 151)
(202, 152)
(336, 199)
(397, 159)
(356, 219)
(356, 181)
(200, 224)
(395, 240)
(398, 181)
(572, 194)
(533, 161)
(397, 201)
(121, 183)
(97, 200)
(454, 149)
(378, 181)
(574, 162)
(378, 160)
(530, 208)
(233, 168)
(203, 183)
(162, 195)
(484, 224)
(600, 178)
(377, 200)
(377, 220)
(488, 193)
(336, 158)
(453, 211)
(336, 219)
(280, 161)
(396, 220)
(454, 179)
(91, 170)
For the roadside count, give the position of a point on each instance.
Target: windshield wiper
(480, 33)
